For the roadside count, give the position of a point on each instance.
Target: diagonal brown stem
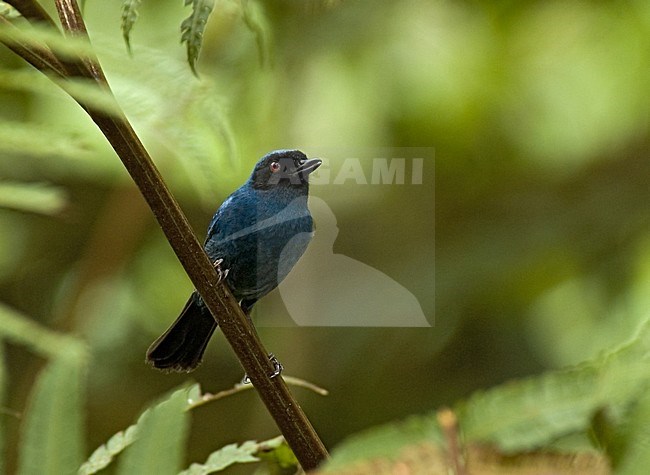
(41, 58)
(32, 11)
(283, 407)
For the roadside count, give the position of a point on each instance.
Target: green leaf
(67, 47)
(37, 139)
(258, 24)
(193, 394)
(20, 329)
(82, 89)
(385, 441)
(160, 436)
(105, 454)
(129, 16)
(52, 436)
(193, 27)
(278, 452)
(635, 437)
(8, 11)
(232, 454)
(33, 197)
(3, 411)
(157, 438)
(532, 412)
(205, 134)
(87, 92)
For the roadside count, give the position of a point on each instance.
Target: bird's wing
(214, 224)
(234, 214)
(216, 228)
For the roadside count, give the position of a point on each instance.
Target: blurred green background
(538, 114)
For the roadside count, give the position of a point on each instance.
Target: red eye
(275, 167)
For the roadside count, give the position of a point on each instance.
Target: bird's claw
(220, 272)
(277, 366)
(277, 369)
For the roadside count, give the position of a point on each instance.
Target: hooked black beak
(308, 166)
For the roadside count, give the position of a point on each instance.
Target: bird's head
(283, 168)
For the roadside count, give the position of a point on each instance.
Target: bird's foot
(220, 272)
(277, 366)
(277, 369)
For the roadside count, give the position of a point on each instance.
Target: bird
(254, 239)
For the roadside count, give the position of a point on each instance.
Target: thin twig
(239, 387)
(209, 397)
(449, 425)
(306, 384)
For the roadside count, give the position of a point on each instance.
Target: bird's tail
(181, 347)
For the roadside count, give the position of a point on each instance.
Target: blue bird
(257, 235)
